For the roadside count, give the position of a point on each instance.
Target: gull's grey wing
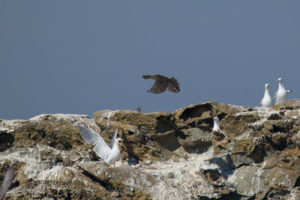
(113, 140)
(92, 137)
(7, 181)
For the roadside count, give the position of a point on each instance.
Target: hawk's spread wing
(159, 86)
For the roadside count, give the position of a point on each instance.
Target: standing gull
(281, 94)
(109, 154)
(216, 131)
(216, 126)
(266, 101)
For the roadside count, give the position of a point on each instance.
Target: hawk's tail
(147, 76)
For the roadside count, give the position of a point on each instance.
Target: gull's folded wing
(91, 137)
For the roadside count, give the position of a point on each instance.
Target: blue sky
(74, 56)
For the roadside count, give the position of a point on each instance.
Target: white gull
(109, 154)
(266, 101)
(281, 94)
(218, 134)
(216, 126)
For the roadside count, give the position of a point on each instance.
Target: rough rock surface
(164, 155)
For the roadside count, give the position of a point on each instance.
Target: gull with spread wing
(108, 153)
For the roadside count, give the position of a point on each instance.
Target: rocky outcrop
(164, 155)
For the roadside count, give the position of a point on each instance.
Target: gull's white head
(280, 80)
(267, 85)
(216, 119)
(118, 140)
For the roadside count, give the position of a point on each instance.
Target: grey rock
(196, 141)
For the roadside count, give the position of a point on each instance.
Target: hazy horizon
(80, 57)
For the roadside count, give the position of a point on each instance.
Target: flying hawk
(162, 83)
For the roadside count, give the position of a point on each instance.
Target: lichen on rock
(164, 155)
